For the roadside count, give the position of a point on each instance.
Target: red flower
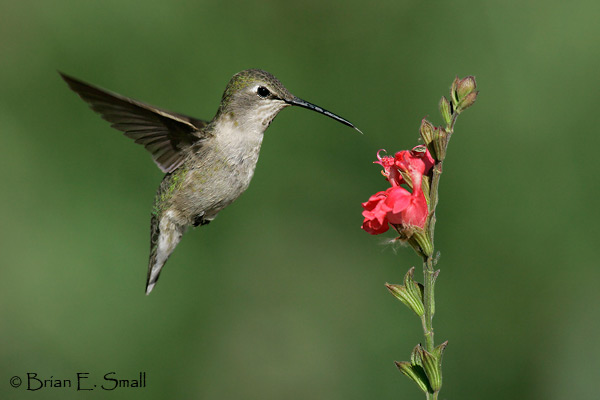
(390, 169)
(407, 209)
(398, 206)
(418, 159)
(375, 213)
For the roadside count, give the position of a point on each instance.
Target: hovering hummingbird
(208, 164)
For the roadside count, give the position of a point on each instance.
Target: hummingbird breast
(216, 175)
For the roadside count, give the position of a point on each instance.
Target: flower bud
(440, 143)
(446, 111)
(453, 89)
(426, 131)
(466, 102)
(465, 86)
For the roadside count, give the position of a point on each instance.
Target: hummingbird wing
(166, 135)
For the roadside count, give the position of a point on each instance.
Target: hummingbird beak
(295, 101)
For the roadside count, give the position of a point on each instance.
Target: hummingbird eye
(263, 92)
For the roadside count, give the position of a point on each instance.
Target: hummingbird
(207, 164)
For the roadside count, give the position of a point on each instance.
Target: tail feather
(165, 234)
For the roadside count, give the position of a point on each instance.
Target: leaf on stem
(416, 374)
(431, 365)
(411, 293)
(446, 111)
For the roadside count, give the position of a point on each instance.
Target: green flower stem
(425, 365)
(429, 272)
(429, 303)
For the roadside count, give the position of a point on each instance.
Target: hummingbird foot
(200, 220)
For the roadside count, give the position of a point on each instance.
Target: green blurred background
(282, 296)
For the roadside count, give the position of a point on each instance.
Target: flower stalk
(409, 206)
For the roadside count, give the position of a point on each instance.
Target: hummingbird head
(254, 96)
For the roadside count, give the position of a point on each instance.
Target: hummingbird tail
(165, 234)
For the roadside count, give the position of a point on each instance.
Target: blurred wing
(164, 134)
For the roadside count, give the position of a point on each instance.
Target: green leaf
(431, 365)
(413, 287)
(401, 293)
(411, 293)
(439, 351)
(415, 355)
(420, 242)
(416, 373)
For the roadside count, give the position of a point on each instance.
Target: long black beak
(302, 103)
